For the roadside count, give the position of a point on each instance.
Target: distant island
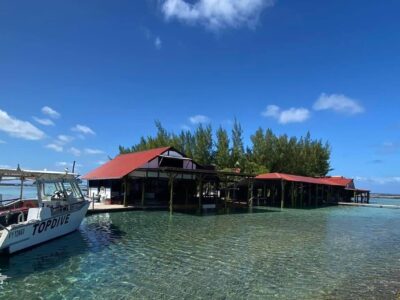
(385, 196)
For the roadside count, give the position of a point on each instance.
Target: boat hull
(26, 235)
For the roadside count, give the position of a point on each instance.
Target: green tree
(237, 153)
(222, 156)
(268, 152)
(203, 151)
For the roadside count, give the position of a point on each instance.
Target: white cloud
(74, 151)
(199, 119)
(5, 167)
(55, 147)
(45, 122)
(64, 139)
(272, 111)
(338, 103)
(101, 162)
(2, 142)
(292, 115)
(93, 151)
(83, 129)
(50, 112)
(157, 42)
(216, 14)
(18, 128)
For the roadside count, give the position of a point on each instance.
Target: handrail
(3, 227)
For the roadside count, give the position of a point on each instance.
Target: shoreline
(381, 196)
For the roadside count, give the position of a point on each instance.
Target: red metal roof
(124, 164)
(334, 181)
(342, 181)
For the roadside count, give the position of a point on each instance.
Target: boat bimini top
(51, 186)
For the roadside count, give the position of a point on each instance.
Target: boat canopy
(37, 175)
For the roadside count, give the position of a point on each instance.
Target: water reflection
(93, 236)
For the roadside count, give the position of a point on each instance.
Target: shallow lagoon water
(327, 253)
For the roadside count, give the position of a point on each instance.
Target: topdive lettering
(50, 224)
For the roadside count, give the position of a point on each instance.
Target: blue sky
(79, 78)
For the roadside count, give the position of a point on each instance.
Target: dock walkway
(102, 208)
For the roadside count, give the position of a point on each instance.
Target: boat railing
(64, 208)
(10, 205)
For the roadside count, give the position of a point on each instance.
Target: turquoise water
(328, 253)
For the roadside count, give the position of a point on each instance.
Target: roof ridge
(144, 151)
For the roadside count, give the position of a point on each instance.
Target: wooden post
(143, 191)
(283, 193)
(264, 191)
(200, 192)
(171, 193)
(274, 195)
(125, 191)
(250, 194)
(316, 196)
(186, 195)
(329, 194)
(301, 195)
(292, 194)
(309, 194)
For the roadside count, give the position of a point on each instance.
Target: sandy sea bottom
(327, 253)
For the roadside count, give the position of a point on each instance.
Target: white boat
(57, 210)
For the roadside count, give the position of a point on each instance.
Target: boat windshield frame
(43, 177)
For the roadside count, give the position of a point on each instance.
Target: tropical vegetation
(267, 152)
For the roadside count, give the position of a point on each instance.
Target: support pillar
(274, 195)
(316, 195)
(186, 196)
(301, 195)
(125, 191)
(171, 193)
(292, 194)
(250, 193)
(282, 194)
(143, 191)
(200, 192)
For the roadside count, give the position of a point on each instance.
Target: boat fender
(21, 218)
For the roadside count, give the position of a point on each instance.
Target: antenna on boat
(73, 167)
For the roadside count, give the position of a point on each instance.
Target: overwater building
(165, 177)
(161, 177)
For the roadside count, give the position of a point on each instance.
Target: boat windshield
(72, 188)
(60, 190)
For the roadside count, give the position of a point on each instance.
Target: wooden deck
(103, 208)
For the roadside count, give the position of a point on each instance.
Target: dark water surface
(328, 253)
